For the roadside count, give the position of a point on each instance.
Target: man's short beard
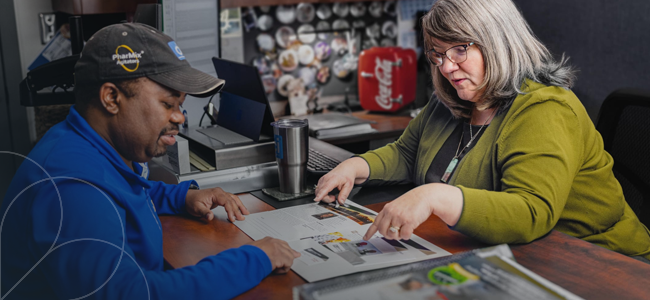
(160, 154)
(163, 132)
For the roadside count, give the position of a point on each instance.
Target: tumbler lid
(290, 123)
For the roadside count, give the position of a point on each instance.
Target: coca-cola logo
(383, 73)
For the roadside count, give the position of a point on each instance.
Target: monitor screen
(241, 115)
(244, 81)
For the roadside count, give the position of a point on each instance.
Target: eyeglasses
(456, 54)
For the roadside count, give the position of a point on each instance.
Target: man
(80, 217)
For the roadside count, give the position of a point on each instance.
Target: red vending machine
(387, 78)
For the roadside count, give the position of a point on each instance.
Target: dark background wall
(607, 40)
(14, 132)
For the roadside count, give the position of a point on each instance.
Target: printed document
(330, 239)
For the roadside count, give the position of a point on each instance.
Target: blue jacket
(76, 221)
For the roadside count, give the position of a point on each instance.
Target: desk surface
(587, 270)
(387, 126)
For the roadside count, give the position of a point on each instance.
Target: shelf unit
(239, 3)
(91, 7)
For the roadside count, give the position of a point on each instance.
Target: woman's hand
(407, 212)
(343, 177)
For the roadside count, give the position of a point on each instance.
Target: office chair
(624, 124)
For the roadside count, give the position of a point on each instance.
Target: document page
(330, 239)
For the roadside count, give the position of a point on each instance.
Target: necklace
(454, 161)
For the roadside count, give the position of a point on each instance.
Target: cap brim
(190, 81)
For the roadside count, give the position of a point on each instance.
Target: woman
(508, 153)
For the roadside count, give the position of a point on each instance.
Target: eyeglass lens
(457, 54)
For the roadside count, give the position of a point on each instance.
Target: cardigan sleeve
(538, 156)
(395, 162)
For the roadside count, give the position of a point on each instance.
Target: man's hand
(200, 203)
(279, 252)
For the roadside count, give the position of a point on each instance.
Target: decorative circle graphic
(341, 9)
(285, 36)
(264, 22)
(306, 54)
(305, 12)
(358, 9)
(306, 37)
(324, 12)
(288, 60)
(285, 14)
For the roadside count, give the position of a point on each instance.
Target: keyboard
(319, 163)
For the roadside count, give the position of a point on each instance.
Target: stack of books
(322, 126)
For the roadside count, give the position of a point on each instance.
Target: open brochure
(488, 273)
(330, 239)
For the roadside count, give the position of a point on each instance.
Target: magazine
(330, 239)
(488, 273)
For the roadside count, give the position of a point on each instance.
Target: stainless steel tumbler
(291, 152)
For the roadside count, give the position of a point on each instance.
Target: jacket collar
(81, 126)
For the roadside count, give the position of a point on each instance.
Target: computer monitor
(244, 81)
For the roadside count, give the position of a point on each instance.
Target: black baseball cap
(132, 50)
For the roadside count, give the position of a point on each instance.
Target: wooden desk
(587, 270)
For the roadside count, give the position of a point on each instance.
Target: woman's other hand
(348, 173)
(400, 217)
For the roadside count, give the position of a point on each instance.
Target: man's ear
(110, 97)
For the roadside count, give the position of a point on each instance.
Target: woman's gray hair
(511, 52)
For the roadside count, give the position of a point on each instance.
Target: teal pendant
(450, 169)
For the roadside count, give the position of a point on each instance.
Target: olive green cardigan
(538, 167)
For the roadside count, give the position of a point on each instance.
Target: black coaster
(280, 196)
(363, 196)
(282, 204)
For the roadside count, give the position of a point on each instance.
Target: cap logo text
(127, 59)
